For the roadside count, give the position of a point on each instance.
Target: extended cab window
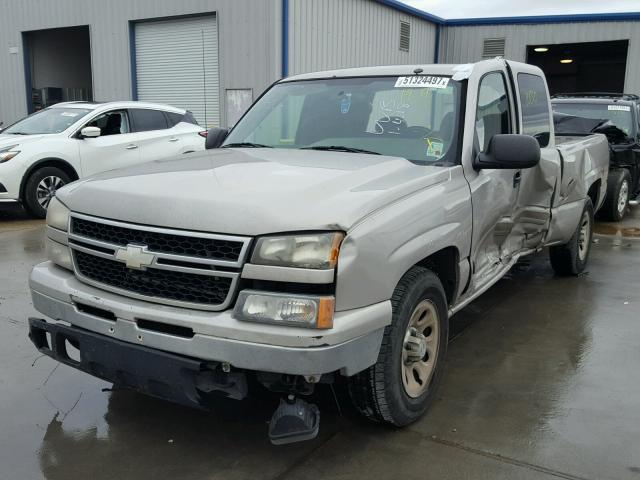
(413, 117)
(145, 120)
(535, 107)
(492, 113)
(111, 123)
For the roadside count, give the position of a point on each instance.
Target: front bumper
(11, 173)
(351, 346)
(163, 375)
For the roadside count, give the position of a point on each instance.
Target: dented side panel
(585, 161)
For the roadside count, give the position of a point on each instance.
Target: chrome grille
(179, 244)
(190, 269)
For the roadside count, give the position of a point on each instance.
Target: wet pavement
(542, 382)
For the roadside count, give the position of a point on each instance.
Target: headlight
(8, 153)
(57, 215)
(319, 251)
(284, 309)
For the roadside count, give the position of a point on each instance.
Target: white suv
(67, 141)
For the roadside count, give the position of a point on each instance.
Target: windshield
(49, 120)
(619, 115)
(412, 117)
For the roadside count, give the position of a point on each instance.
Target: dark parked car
(617, 115)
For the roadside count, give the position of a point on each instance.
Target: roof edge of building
(415, 12)
(538, 19)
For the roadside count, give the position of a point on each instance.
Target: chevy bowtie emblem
(135, 256)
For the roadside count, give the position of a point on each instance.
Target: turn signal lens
(58, 254)
(57, 215)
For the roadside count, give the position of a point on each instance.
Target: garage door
(177, 64)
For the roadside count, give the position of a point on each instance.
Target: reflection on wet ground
(541, 382)
(629, 227)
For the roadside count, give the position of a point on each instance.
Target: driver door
(494, 192)
(116, 147)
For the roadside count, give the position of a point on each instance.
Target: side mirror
(509, 151)
(90, 132)
(215, 137)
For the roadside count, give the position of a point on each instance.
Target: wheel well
(48, 162)
(594, 192)
(444, 263)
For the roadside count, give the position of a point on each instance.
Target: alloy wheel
(46, 190)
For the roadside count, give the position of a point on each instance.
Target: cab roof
(458, 71)
(382, 71)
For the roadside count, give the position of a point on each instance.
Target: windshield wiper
(17, 133)
(245, 145)
(340, 148)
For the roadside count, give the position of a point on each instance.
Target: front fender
(381, 249)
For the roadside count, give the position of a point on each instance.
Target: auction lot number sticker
(422, 81)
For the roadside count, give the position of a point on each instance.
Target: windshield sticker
(345, 103)
(392, 121)
(69, 114)
(422, 81)
(435, 147)
(621, 108)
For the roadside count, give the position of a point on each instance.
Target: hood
(252, 191)
(8, 139)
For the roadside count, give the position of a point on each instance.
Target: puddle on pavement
(617, 230)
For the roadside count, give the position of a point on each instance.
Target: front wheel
(571, 258)
(399, 388)
(41, 187)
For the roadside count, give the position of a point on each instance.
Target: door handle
(173, 139)
(131, 147)
(516, 179)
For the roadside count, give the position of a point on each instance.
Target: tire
(36, 199)
(616, 204)
(384, 392)
(572, 257)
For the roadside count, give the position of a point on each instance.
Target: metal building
(589, 52)
(214, 57)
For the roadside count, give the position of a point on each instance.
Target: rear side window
(189, 118)
(535, 107)
(173, 118)
(145, 120)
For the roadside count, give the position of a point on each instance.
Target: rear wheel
(618, 195)
(571, 258)
(399, 388)
(41, 187)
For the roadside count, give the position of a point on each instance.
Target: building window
(405, 36)
(493, 47)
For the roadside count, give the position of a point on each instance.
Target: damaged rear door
(537, 185)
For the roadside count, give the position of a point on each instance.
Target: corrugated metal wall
(464, 43)
(184, 53)
(249, 44)
(327, 34)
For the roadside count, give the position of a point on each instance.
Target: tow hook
(294, 421)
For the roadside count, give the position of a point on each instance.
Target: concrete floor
(542, 382)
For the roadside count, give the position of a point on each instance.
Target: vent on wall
(493, 47)
(405, 36)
